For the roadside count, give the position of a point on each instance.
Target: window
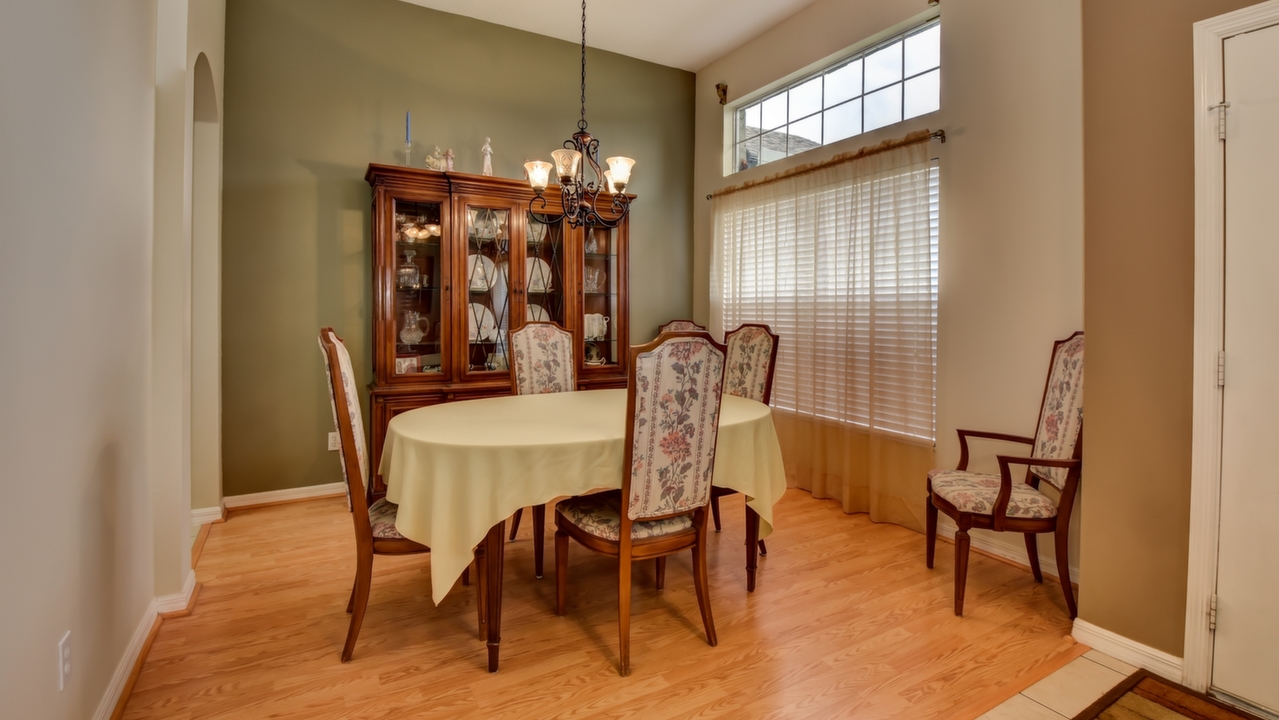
(895, 80)
(842, 264)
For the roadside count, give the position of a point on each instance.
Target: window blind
(842, 264)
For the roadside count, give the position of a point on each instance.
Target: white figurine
(487, 152)
(448, 159)
(435, 161)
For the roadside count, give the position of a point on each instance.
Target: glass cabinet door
(420, 324)
(600, 298)
(544, 270)
(489, 289)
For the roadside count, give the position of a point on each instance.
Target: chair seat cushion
(976, 493)
(382, 518)
(600, 515)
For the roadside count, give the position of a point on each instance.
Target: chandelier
(579, 196)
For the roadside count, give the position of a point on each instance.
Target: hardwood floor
(846, 622)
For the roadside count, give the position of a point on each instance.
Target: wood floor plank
(846, 622)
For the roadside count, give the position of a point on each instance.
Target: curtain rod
(916, 137)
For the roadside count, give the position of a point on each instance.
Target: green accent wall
(315, 91)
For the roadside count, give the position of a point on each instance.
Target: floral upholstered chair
(375, 532)
(680, 326)
(672, 413)
(997, 502)
(751, 358)
(542, 355)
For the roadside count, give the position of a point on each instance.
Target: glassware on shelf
(592, 246)
(408, 277)
(594, 280)
(412, 333)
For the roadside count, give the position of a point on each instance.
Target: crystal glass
(412, 333)
(566, 162)
(620, 167)
(407, 276)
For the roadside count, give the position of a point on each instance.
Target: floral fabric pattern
(1063, 413)
(678, 386)
(382, 518)
(353, 412)
(680, 326)
(976, 493)
(601, 515)
(750, 357)
(543, 359)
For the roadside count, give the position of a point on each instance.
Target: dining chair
(375, 532)
(680, 326)
(673, 394)
(995, 502)
(751, 359)
(542, 355)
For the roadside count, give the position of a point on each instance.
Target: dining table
(458, 470)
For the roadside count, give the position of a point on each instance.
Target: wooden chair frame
(668, 323)
(366, 546)
(754, 546)
(539, 511)
(998, 519)
(628, 550)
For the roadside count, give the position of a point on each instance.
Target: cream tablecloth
(458, 469)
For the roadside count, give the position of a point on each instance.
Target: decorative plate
(537, 313)
(538, 275)
(480, 273)
(536, 232)
(482, 326)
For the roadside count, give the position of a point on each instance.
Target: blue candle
(406, 127)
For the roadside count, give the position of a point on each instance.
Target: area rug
(1144, 696)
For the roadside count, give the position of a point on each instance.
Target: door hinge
(1221, 118)
(1212, 612)
(1221, 368)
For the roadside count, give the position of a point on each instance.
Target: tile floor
(1066, 692)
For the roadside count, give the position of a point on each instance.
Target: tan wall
(316, 90)
(1139, 293)
(1011, 255)
(76, 147)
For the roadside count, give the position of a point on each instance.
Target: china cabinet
(459, 261)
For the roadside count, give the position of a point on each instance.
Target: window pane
(774, 112)
(923, 51)
(884, 66)
(772, 146)
(805, 99)
(884, 107)
(923, 94)
(844, 83)
(805, 135)
(748, 122)
(842, 122)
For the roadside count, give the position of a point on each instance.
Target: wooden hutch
(459, 262)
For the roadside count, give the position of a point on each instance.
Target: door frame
(1210, 259)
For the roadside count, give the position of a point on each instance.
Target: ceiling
(687, 34)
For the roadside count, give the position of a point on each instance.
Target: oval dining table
(458, 470)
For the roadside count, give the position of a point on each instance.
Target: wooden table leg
(494, 556)
(752, 547)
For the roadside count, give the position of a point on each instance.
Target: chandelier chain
(581, 124)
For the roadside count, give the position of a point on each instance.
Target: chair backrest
(1061, 416)
(673, 399)
(542, 359)
(344, 400)
(752, 358)
(680, 326)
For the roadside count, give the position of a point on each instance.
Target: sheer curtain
(842, 263)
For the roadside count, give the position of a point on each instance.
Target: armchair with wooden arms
(990, 502)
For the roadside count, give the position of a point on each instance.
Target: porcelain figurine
(487, 152)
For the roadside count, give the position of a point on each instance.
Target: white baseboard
(987, 541)
(179, 600)
(204, 516)
(125, 667)
(1127, 650)
(301, 493)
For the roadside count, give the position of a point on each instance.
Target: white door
(1246, 654)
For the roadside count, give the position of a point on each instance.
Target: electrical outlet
(64, 661)
(335, 442)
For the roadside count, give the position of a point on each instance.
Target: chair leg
(961, 569)
(624, 611)
(702, 583)
(1032, 554)
(539, 539)
(763, 549)
(930, 532)
(752, 547)
(481, 591)
(1062, 538)
(561, 571)
(360, 596)
(351, 603)
(515, 524)
(466, 576)
(661, 572)
(715, 509)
